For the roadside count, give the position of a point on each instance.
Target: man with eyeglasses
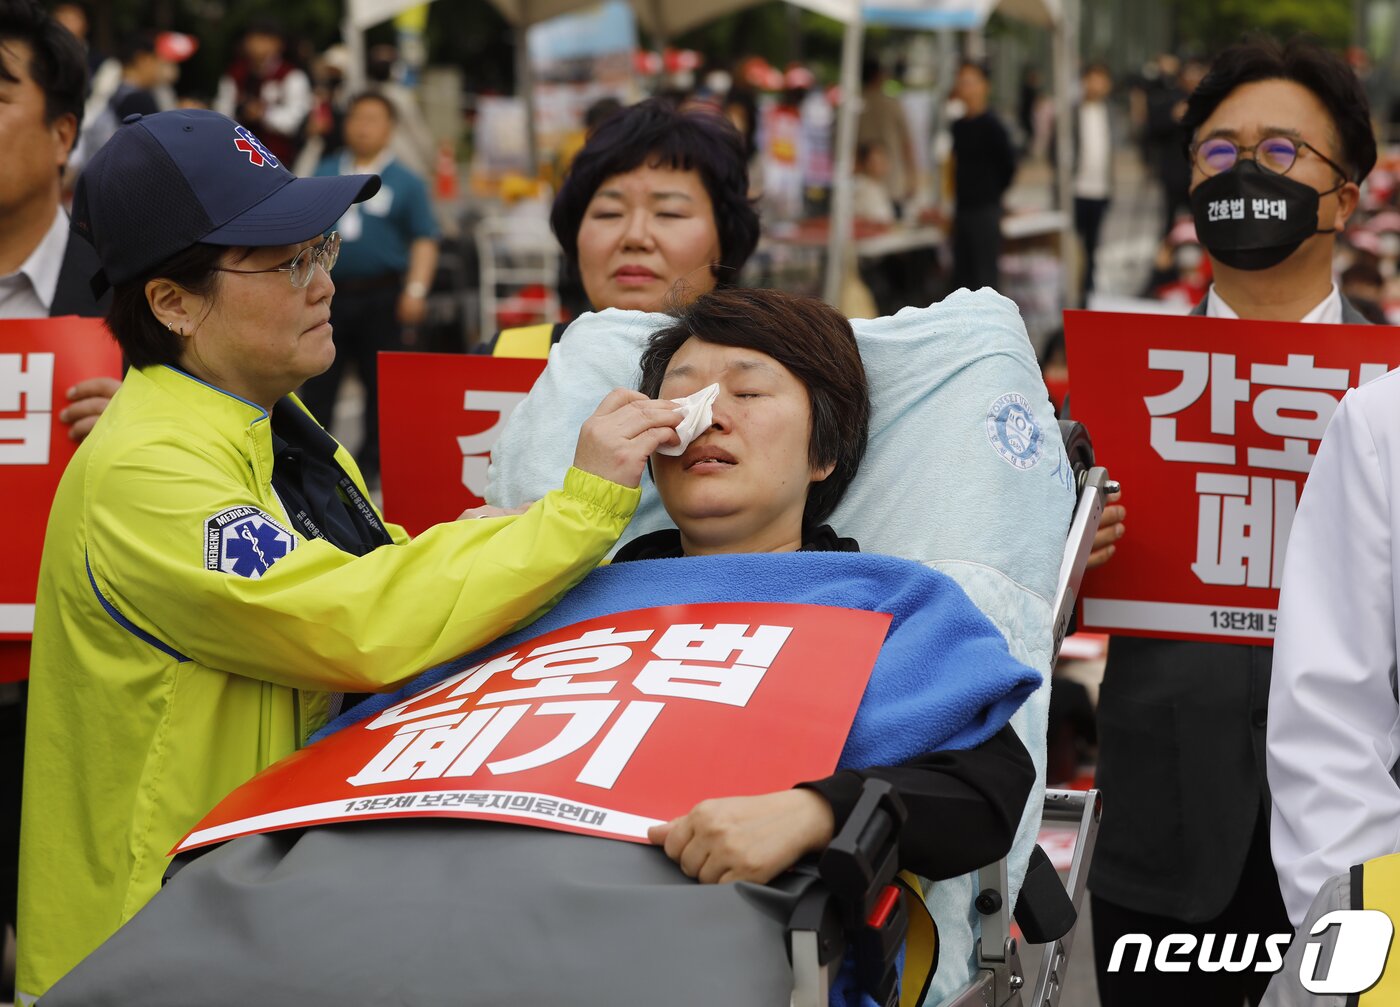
(1280, 140)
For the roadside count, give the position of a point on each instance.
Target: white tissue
(699, 414)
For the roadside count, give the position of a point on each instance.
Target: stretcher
(857, 901)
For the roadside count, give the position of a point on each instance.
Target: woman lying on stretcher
(789, 430)
(432, 910)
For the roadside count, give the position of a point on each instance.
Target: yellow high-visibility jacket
(160, 681)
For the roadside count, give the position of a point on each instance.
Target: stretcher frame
(1001, 978)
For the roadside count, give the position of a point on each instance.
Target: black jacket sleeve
(963, 806)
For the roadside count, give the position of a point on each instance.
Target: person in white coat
(1334, 721)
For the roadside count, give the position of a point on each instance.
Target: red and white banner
(440, 414)
(605, 727)
(1211, 426)
(40, 359)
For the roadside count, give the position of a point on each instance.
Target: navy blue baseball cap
(168, 181)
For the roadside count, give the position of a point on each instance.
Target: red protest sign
(605, 727)
(440, 414)
(40, 359)
(1211, 426)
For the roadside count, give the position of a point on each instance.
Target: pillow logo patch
(1013, 431)
(244, 541)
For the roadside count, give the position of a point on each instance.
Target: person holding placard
(1281, 133)
(43, 273)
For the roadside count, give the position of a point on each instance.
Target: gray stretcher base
(436, 913)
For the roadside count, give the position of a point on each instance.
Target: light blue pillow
(965, 471)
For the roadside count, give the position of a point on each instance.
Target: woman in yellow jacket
(214, 573)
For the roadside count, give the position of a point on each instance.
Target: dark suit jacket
(1181, 767)
(73, 295)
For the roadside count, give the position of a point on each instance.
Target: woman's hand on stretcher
(616, 441)
(1111, 529)
(747, 838)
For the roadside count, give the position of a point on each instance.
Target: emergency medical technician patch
(1013, 431)
(245, 541)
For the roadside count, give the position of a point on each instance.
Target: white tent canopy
(959, 15)
(666, 18)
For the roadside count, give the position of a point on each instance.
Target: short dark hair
(972, 64)
(658, 134)
(600, 112)
(867, 147)
(378, 96)
(812, 340)
(135, 45)
(1303, 61)
(144, 341)
(57, 65)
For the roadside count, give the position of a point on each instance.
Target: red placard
(440, 414)
(604, 727)
(40, 359)
(1210, 425)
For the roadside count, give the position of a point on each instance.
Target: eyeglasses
(1276, 154)
(303, 265)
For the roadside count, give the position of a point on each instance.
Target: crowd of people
(157, 684)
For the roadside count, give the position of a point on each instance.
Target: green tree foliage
(1212, 24)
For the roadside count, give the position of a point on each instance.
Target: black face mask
(1249, 218)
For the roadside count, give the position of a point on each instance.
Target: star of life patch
(1014, 432)
(245, 541)
(253, 147)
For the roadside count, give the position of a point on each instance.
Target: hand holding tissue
(698, 413)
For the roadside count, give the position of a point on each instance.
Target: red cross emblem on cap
(250, 150)
(252, 146)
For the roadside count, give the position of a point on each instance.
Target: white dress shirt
(1093, 176)
(1327, 312)
(28, 291)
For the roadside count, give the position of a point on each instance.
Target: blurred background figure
(149, 65)
(388, 256)
(984, 165)
(741, 109)
(75, 17)
(1164, 139)
(1363, 285)
(413, 145)
(266, 92)
(1093, 166)
(1181, 272)
(882, 121)
(324, 130)
(871, 194)
(1032, 88)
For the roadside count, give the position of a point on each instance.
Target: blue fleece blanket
(944, 678)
